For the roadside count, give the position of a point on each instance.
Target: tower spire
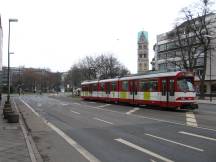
(143, 53)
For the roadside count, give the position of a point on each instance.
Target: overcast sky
(55, 34)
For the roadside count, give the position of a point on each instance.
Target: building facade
(143, 52)
(167, 57)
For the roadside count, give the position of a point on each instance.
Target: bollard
(13, 118)
(7, 111)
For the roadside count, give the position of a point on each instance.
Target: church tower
(143, 53)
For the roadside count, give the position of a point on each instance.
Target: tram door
(107, 95)
(167, 90)
(133, 88)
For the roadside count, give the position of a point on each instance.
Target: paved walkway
(207, 100)
(13, 147)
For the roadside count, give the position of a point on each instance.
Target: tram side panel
(146, 92)
(102, 96)
(85, 92)
(124, 91)
(112, 91)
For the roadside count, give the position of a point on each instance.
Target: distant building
(167, 56)
(143, 53)
(30, 79)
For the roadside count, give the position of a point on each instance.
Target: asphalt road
(120, 133)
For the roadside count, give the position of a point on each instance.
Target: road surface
(114, 133)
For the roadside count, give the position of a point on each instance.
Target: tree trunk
(202, 89)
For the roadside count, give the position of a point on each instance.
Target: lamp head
(13, 20)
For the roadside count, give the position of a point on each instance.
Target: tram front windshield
(185, 84)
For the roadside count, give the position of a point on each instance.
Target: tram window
(136, 86)
(102, 87)
(144, 86)
(90, 88)
(172, 88)
(185, 84)
(108, 88)
(94, 87)
(83, 88)
(113, 86)
(164, 87)
(153, 86)
(125, 85)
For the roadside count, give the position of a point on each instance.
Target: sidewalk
(207, 100)
(13, 147)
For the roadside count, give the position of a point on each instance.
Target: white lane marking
(178, 143)
(30, 107)
(103, 105)
(64, 104)
(39, 104)
(143, 150)
(92, 102)
(191, 119)
(26, 136)
(196, 135)
(74, 112)
(68, 139)
(103, 120)
(132, 111)
(76, 103)
(151, 160)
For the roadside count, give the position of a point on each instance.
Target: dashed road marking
(76, 103)
(39, 104)
(191, 119)
(75, 112)
(150, 118)
(103, 105)
(64, 104)
(196, 135)
(177, 143)
(103, 120)
(132, 111)
(143, 150)
(68, 139)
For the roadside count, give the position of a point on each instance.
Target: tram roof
(151, 74)
(146, 75)
(89, 82)
(109, 80)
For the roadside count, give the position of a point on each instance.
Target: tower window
(140, 65)
(140, 46)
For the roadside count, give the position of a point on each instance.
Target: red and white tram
(170, 89)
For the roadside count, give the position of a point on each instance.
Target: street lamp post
(8, 76)
(209, 36)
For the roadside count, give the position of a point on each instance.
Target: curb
(33, 151)
(206, 102)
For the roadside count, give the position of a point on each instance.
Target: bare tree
(90, 68)
(31, 80)
(190, 37)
